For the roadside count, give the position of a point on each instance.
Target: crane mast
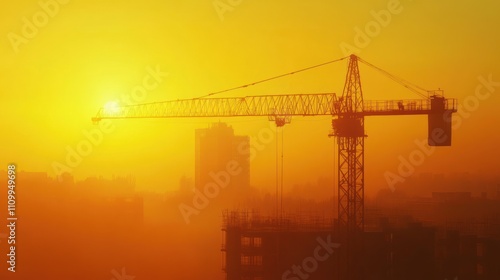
(348, 113)
(349, 129)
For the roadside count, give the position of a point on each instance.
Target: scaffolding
(254, 221)
(261, 247)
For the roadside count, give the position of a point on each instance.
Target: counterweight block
(439, 123)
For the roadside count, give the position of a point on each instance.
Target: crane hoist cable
(282, 165)
(277, 177)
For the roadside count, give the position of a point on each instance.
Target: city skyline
(114, 68)
(231, 139)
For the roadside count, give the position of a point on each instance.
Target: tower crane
(348, 113)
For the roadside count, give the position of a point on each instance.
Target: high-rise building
(221, 158)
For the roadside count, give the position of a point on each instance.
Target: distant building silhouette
(215, 148)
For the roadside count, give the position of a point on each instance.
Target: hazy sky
(61, 62)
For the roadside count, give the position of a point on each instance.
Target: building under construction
(299, 247)
(256, 247)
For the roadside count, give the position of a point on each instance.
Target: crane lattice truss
(306, 105)
(347, 112)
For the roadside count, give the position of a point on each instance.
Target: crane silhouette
(348, 113)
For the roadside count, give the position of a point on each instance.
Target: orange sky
(91, 52)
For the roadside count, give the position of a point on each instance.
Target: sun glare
(111, 108)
